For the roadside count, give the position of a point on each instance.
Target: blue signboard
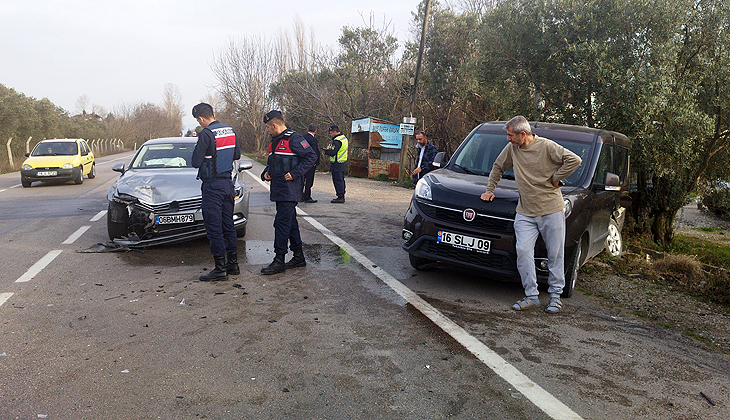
(390, 133)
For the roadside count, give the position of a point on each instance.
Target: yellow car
(58, 160)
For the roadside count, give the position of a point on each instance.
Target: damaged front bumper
(150, 225)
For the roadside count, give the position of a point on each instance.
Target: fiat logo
(469, 215)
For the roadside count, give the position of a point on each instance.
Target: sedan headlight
(27, 167)
(423, 189)
(567, 207)
(67, 166)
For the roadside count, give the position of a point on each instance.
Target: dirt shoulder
(656, 301)
(659, 299)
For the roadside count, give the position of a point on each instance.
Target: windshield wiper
(467, 170)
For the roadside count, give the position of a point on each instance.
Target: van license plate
(46, 173)
(458, 240)
(178, 218)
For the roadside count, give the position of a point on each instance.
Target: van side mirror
(440, 160)
(118, 167)
(613, 183)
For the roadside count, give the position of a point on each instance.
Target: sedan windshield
(168, 155)
(481, 150)
(58, 148)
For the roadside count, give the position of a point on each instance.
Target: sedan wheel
(92, 173)
(614, 244)
(25, 182)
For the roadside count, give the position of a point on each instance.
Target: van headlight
(67, 166)
(27, 167)
(423, 189)
(567, 207)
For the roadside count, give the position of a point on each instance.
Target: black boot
(218, 273)
(276, 266)
(339, 199)
(297, 260)
(232, 265)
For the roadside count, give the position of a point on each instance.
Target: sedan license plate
(178, 218)
(46, 173)
(458, 240)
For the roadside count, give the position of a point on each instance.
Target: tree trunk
(662, 226)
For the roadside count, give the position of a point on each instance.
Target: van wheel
(418, 262)
(614, 243)
(571, 276)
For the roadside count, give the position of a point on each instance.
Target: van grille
(455, 216)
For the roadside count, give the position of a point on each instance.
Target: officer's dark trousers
(308, 182)
(286, 227)
(217, 209)
(338, 177)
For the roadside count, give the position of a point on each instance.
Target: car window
(481, 150)
(621, 162)
(164, 156)
(605, 164)
(59, 148)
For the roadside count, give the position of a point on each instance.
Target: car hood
(155, 186)
(51, 161)
(455, 189)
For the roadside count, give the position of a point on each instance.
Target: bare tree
(244, 71)
(81, 103)
(173, 105)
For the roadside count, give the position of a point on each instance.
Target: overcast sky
(124, 52)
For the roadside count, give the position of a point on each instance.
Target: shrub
(717, 199)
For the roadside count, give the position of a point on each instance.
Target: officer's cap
(271, 115)
(335, 128)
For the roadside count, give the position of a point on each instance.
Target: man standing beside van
(539, 165)
(426, 155)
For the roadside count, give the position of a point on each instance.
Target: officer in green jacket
(337, 152)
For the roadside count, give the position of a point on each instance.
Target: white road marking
(4, 296)
(98, 216)
(40, 265)
(74, 236)
(531, 390)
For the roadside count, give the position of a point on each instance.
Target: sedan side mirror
(243, 165)
(118, 167)
(440, 160)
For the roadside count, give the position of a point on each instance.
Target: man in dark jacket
(424, 160)
(214, 153)
(290, 157)
(309, 176)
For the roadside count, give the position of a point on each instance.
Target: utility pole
(410, 119)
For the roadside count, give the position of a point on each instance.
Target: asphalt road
(357, 333)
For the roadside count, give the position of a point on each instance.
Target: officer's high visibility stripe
(224, 142)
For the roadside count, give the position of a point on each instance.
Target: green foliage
(717, 201)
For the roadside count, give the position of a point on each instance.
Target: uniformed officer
(337, 152)
(214, 153)
(290, 157)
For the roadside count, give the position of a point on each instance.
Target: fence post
(10, 154)
(27, 145)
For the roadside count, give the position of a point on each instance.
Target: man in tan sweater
(539, 165)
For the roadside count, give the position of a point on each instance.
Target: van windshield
(481, 150)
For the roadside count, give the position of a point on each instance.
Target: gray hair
(518, 125)
(312, 128)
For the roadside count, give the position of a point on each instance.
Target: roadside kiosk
(375, 148)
